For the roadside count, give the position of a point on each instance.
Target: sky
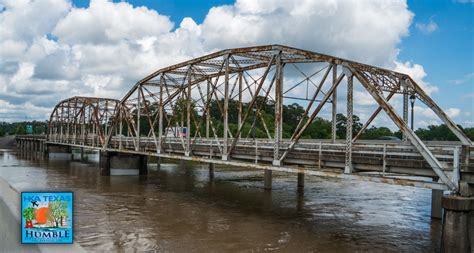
(51, 50)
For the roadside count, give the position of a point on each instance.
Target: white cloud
(104, 49)
(352, 29)
(417, 72)
(427, 28)
(466, 78)
(453, 112)
(107, 22)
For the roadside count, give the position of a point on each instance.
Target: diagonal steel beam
(297, 136)
(412, 137)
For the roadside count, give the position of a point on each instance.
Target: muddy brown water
(178, 209)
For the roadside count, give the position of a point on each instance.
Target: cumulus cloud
(105, 22)
(417, 72)
(427, 28)
(360, 30)
(102, 50)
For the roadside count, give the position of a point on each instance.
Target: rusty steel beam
(166, 98)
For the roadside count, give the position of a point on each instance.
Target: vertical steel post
(456, 161)
(348, 160)
(405, 106)
(160, 119)
(120, 127)
(239, 123)
(278, 111)
(334, 104)
(208, 114)
(226, 108)
(188, 115)
(138, 119)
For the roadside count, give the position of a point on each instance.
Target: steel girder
(82, 120)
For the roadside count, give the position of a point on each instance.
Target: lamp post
(412, 101)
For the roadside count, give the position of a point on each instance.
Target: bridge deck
(392, 162)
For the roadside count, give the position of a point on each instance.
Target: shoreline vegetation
(319, 129)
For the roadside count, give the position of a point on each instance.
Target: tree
(57, 212)
(376, 132)
(341, 122)
(20, 129)
(319, 129)
(29, 215)
(436, 133)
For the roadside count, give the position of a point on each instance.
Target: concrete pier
(82, 155)
(300, 180)
(182, 163)
(436, 208)
(211, 170)
(458, 226)
(122, 164)
(267, 183)
(59, 152)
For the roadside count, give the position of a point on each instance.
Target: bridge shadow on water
(179, 208)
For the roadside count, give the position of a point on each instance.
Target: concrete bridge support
(267, 181)
(436, 208)
(59, 151)
(458, 226)
(83, 158)
(458, 219)
(122, 164)
(158, 163)
(300, 180)
(211, 170)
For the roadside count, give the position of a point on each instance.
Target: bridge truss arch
(225, 99)
(82, 120)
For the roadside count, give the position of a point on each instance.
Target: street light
(412, 101)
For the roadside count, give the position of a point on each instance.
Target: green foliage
(376, 132)
(469, 132)
(341, 121)
(20, 130)
(29, 213)
(436, 133)
(292, 114)
(57, 211)
(39, 127)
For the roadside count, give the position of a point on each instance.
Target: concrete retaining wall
(10, 220)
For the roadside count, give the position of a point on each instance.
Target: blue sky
(446, 53)
(102, 48)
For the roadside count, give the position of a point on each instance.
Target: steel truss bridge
(238, 84)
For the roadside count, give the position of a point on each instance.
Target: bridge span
(209, 109)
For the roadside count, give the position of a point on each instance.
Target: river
(179, 209)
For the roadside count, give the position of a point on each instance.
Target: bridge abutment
(122, 164)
